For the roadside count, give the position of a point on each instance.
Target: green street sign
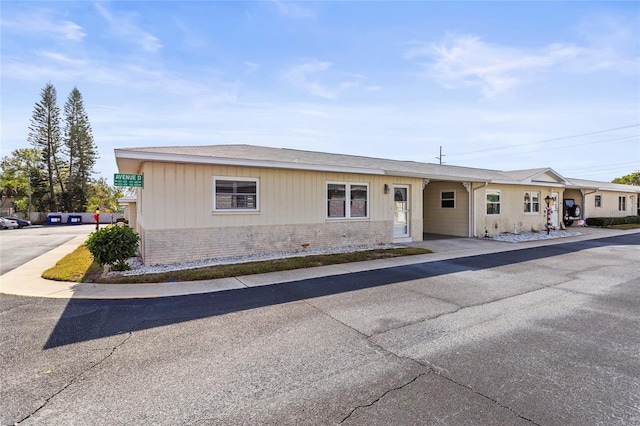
(123, 179)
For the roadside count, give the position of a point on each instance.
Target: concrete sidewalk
(26, 280)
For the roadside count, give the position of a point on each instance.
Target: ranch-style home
(205, 202)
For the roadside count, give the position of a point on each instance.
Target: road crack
(81, 374)
(381, 396)
(439, 371)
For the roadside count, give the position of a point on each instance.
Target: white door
(401, 211)
(554, 210)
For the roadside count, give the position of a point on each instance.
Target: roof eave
(141, 156)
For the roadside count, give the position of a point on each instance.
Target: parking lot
(546, 335)
(18, 246)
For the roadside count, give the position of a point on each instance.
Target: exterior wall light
(386, 188)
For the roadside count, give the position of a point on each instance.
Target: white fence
(78, 218)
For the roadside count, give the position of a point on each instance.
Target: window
(598, 200)
(448, 200)
(531, 202)
(622, 203)
(493, 202)
(356, 193)
(235, 194)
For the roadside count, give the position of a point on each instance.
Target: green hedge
(609, 221)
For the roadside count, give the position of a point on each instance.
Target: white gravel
(532, 236)
(138, 268)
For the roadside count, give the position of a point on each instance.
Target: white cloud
(120, 76)
(250, 67)
(191, 39)
(60, 57)
(302, 77)
(461, 61)
(293, 10)
(123, 27)
(43, 22)
(613, 44)
(467, 61)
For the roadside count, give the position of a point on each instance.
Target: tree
(44, 135)
(103, 195)
(630, 179)
(22, 178)
(81, 152)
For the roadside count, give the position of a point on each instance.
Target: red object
(96, 217)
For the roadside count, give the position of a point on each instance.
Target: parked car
(21, 222)
(8, 223)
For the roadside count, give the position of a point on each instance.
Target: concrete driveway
(546, 335)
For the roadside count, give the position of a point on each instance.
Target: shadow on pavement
(84, 320)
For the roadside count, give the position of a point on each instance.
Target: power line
(605, 166)
(603, 170)
(589, 143)
(548, 140)
(568, 146)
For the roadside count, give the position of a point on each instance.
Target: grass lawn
(79, 266)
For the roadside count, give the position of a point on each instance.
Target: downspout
(473, 210)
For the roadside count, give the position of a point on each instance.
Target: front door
(401, 211)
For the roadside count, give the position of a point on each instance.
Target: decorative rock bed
(532, 236)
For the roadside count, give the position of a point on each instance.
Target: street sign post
(124, 179)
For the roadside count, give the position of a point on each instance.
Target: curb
(26, 280)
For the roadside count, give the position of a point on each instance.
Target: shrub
(610, 221)
(113, 245)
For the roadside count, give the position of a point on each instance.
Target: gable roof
(129, 160)
(537, 176)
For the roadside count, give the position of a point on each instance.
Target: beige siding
(512, 216)
(130, 214)
(446, 221)
(609, 204)
(176, 211)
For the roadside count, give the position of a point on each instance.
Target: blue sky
(499, 85)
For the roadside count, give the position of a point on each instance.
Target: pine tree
(44, 135)
(81, 151)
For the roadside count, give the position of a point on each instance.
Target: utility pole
(440, 157)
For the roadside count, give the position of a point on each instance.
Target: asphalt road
(543, 336)
(18, 246)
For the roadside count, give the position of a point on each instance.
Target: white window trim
(595, 201)
(531, 193)
(240, 179)
(449, 199)
(623, 204)
(492, 191)
(347, 207)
